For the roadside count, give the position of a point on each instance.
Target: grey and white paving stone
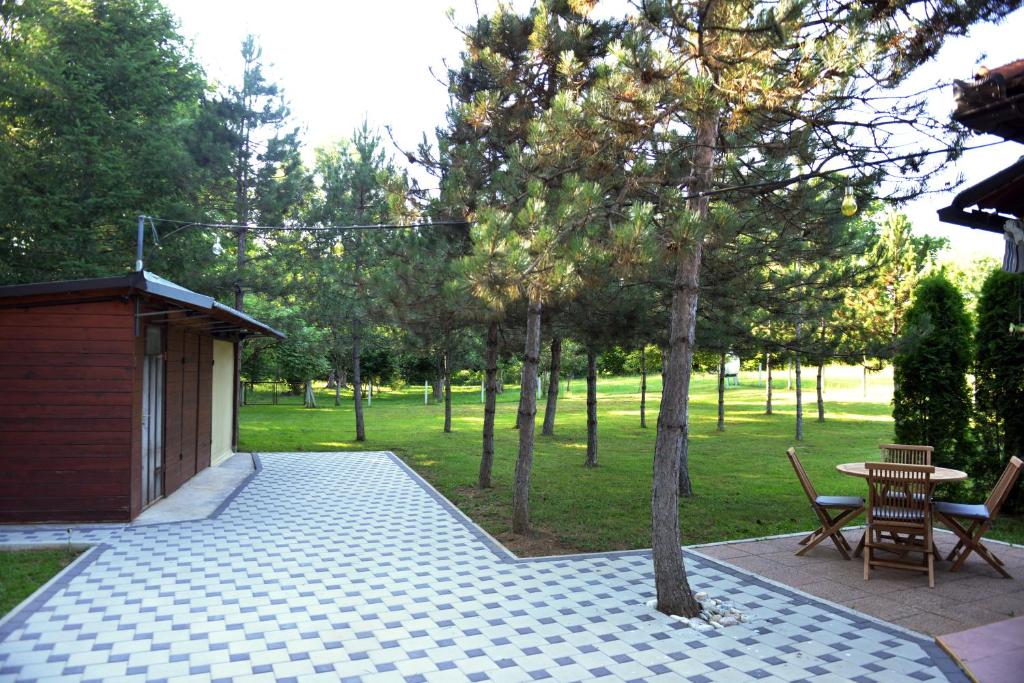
(348, 566)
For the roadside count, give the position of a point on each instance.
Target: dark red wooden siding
(189, 378)
(135, 469)
(66, 412)
(172, 411)
(204, 423)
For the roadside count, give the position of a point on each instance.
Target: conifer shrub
(931, 398)
(999, 378)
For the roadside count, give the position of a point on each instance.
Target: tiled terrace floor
(973, 596)
(347, 565)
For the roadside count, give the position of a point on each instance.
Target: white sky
(342, 61)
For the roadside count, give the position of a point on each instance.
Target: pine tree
(429, 298)
(732, 77)
(896, 259)
(530, 218)
(342, 272)
(269, 180)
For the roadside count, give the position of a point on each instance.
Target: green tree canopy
(999, 375)
(931, 399)
(101, 107)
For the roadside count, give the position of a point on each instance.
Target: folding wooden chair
(899, 516)
(980, 517)
(905, 454)
(824, 507)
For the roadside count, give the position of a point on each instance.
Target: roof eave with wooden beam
(993, 103)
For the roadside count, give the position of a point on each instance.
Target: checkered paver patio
(348, 565)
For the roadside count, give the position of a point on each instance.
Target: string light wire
(765, 186)
(182, 225)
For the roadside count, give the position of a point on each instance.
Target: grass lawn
(743, 483)
(23, 571)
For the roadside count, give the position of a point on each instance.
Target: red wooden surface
(135, 457)
(188, 405)
(83, 346)
(66, 398)
(36, 359)
(65, 414)
(87, 509)
(67, 372)
(66, 334)
(189, 409)
(173, 411)
(85, 459)
(70, 418)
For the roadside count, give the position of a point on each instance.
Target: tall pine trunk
(552, 404)
(721, 392)
(673, 589)
(799, 403)
(447, 393)
(643, 387)
(357, 386)
(768, 385)
(337, 387)
(821, 397)
(591, 409)
(522, 385)
(685, 485)
(527, 415)
(437, 386)
(490, 397)
(799, 388)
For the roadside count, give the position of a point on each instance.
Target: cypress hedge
(999, 378)
(931, 399)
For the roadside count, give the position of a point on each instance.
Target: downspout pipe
(138, 243)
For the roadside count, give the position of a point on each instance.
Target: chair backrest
(903, 491)
(802, 475)
(1003, 486)
(906, 454)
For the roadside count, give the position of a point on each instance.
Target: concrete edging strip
(17, 616)
(942, 660)
(257, 467)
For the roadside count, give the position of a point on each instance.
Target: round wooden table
(941, 475)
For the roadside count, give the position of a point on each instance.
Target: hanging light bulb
(218, 248)
(849, 206)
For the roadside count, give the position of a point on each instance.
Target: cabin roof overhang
(989, 204)
(177, 304)
(993, 102)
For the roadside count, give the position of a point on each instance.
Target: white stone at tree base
(713, 613)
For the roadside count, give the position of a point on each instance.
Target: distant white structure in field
(732, 370)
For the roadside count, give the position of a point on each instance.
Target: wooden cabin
(116, 391)
(993, 103)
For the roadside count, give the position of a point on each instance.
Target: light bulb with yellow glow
(849, 206)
